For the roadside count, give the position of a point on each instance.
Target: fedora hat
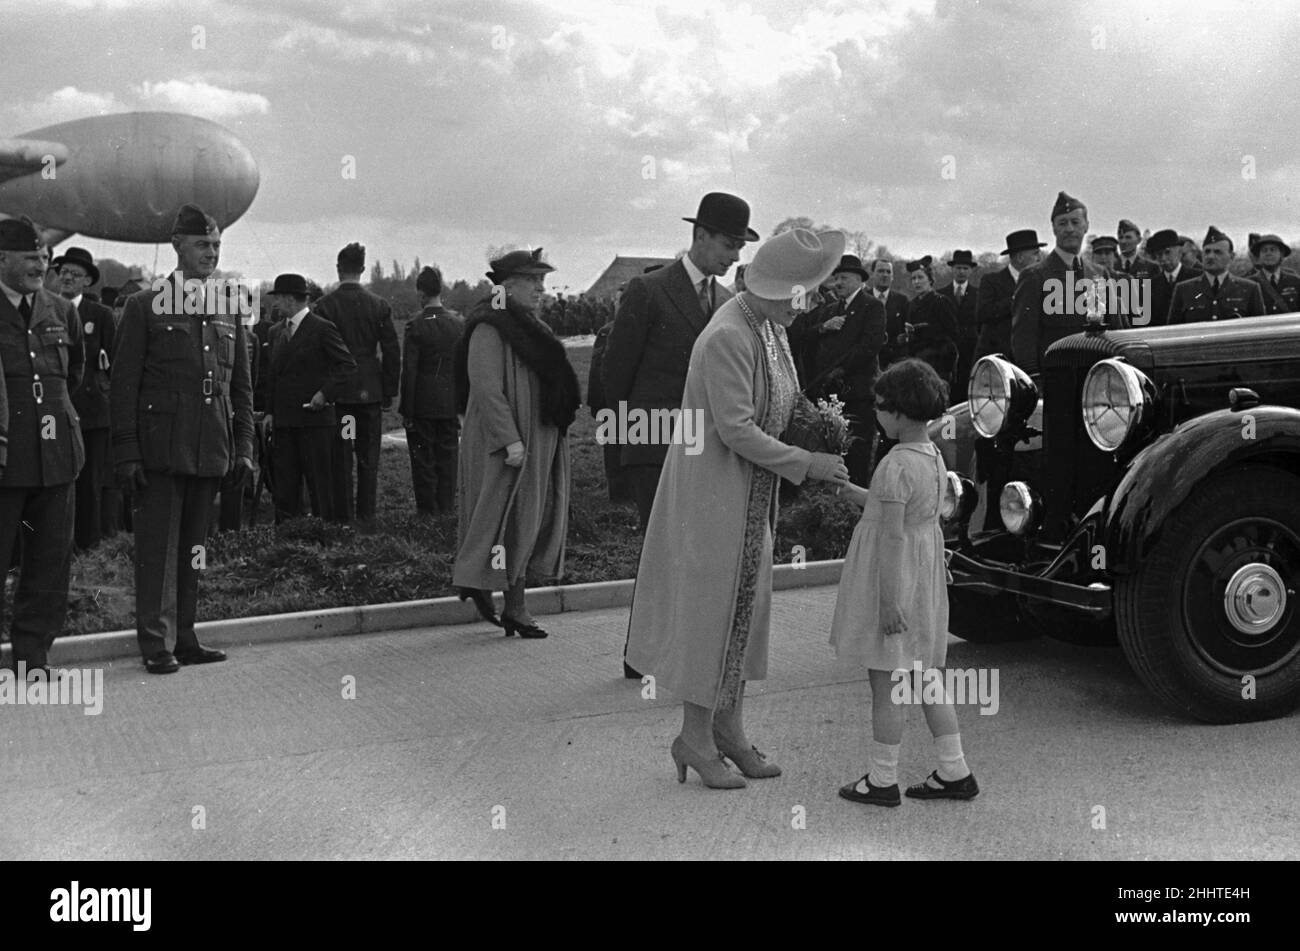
(1023, 240)
(962, 257)
(1164, 238)
(793, 260)
(1264, 239)
(517, 262)
(80, 257)
(853, 264)
(294, 284)
(725, 214)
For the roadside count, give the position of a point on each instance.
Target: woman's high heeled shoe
(750, 762)
(483, 601)
(518, 627)
(713, 772)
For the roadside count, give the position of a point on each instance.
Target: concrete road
(461, 743)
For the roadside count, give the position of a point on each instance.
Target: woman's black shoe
(965, 788)
(875, 795)
(523, 630)
(483, 601)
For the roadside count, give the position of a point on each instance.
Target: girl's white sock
(884, 763)
(952, 764)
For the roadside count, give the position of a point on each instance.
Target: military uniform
(98, 501)
(182, 406)
(429, 403)
(1197, 300)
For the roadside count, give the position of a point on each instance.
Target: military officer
(182, 419)
(1216, 294)
(43, 360)
(1281, 289)
(95, 494)
(1105, 252)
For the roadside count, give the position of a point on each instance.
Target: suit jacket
(365, 322)
(967, 312)
(44, 432)
(596, 373)
(428, 364)
(1193, 301)
(180, 398)
(993, 312)
(844, 362)
(1033, 330)
(262, 346)
(934, 335)
(1282, 299)
(897, 311)
(1162, 293)
(314, 358)
(98, 335)
(659, 317)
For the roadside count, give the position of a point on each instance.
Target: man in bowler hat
(993, 305)
(182, 416)
(965, 302)
(42, 358)
(658, 319)
(1167, 248)
(98, 500)
(1216, 294)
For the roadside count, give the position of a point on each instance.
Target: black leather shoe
(200, 655)
(161, 663)
(630, 673)
(518, 627)
(875, 795)
(956, 789)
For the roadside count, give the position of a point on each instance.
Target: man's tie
(706, 298)
(25, 308)
(1274, 280)
(960, 291)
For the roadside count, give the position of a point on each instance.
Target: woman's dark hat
(1024, 240)
(725, 214)
(1162, 239)
(919, 264)
(294, 284)
(853, 265)
(962, 257)
(80, 257)
(517, 262)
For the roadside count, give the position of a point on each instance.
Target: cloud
(62, 105)
(201, 98)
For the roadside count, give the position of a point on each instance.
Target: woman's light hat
(793, 263)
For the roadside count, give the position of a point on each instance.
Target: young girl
(892, 608)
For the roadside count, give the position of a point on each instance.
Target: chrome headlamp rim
(1025, 506)
(1015, 398)
(1138, 391)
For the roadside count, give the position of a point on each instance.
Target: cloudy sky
(590, 127)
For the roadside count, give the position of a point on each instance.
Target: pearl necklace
(763, 326)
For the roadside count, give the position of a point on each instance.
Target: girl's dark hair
(912, 388)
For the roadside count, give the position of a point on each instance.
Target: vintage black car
(1151, 493)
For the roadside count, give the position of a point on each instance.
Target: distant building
(619, 272)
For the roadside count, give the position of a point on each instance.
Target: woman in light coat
(701, 610)
(519, 395)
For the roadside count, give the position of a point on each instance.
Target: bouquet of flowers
(820, 426)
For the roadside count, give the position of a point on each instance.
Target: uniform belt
(206, 387)
(51, 386)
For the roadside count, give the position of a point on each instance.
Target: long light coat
(524, 510)
(707, 557)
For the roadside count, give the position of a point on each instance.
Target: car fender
(1164, 474)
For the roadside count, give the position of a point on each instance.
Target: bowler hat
(962, 257)
(294, 284)
(1162, 239)
(793, 260)
(191, 219)
(1023, 240)
(20, 234)
(1264, 239)
(725, 214)
(517, 262)
(80, 257)
(852, 264)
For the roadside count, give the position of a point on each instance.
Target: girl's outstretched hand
(892, 620)
(853, 493)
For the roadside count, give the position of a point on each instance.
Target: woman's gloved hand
(828, 467)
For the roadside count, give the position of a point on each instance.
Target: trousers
(44, 516)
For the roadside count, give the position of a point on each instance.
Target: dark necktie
(25, 308)
(706, 298)
(1274, 280)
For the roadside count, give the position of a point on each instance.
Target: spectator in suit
(98, 502)
(1043, 311)
(365, 322)
(310, 367)
(1168, 251)
(428, 404)
(996, 291)
(965, 303)
(896, 308)
(658, 320)
(931, 330)
(1216, 294)
(1281, 288)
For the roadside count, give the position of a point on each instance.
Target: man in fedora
(1216, 294)
(1281, 288)
(658, 319)
(182, 420)
(309, 367)
(96, 516)
(1045, 288)
(965, 303)
(42, 359)
(1167, 249)
(993, 305)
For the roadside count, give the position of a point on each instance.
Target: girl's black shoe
(523, 630)
(875, 795)
(483, 601)
(965, 788)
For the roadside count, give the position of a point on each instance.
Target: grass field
(308, 564)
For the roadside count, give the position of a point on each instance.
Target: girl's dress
(913, 473)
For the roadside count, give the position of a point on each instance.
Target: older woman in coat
(519, 395)
(701, 611)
